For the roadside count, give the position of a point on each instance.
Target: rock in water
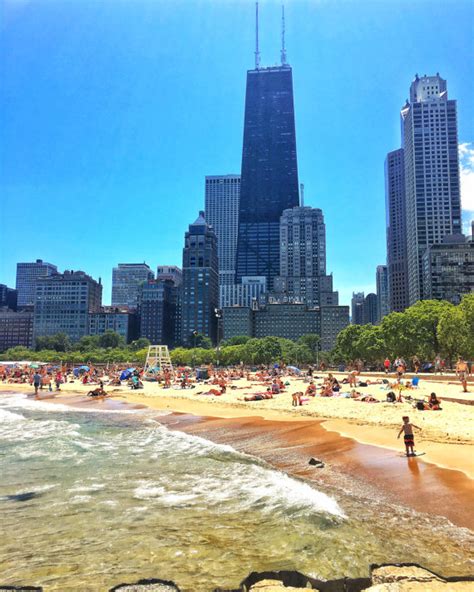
(316, 463)
(147, 586)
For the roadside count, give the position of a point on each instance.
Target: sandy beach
(446, 437)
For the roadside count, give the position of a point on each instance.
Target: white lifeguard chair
(158, 356)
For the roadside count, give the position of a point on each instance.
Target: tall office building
(16, 328)
(26, 276)
(170, 272)
(222, 197)
(64, 302)
(303, 258)
(8, 297)
(126, 281)
(382, 292)
(395, 212)
(269, 179)
(430, 144)
(357, 308)
(370, 315)
(120, 320)
(158, 311)
(200, 289)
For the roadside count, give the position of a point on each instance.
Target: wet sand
(288, 442)
(365, 469)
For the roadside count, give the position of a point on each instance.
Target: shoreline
(361, 457)
(442, 451)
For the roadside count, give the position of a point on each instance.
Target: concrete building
(222, 197)
(159, 312)
(431, 167)
(16, 328)
(396, 226)
(251, 290)
(8, 297)
(171, 273)
(64, 302)
(200, 289)
(357, 308)
(303, 258)
(333, 320)
(381, 279)
(120, 320)
(26, 276)
(237, 321)
(370, 309)
(448, 269)
(126, 281)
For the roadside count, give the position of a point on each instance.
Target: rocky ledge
(401, 577)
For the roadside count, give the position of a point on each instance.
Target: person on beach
(408, 437)
(434, 403)
(386, 365)
(36, 383)
(296, 398)
(462, 371)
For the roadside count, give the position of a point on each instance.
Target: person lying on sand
(258, 397)
(97, 393)
(368, 399)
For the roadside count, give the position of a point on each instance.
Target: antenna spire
(283, 49)
(257, 51)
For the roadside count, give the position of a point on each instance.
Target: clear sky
(112, 112)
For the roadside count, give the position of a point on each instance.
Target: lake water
(92, 499)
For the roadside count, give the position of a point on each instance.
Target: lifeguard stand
(158, 356)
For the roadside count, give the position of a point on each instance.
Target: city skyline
(68, 207)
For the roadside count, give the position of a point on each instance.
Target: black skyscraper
(269, 182)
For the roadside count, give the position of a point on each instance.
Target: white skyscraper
(126, 281)
(430, 143)
(222, 197)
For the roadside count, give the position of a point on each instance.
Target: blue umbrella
(295, 369)
(131, 369)
(125, 374)
(84, 368)
(76, 372)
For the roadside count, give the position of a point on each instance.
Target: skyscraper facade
(222, 196)
(432, 187)
(303, 258)
(395, 211)
(382, 292)
(126, 281)
(26, 276)
(63, 304)
(357, 308)
(8, 297)
(158, 314)
(170, 272)
(200, 289)
(269, 179)
(370, 315)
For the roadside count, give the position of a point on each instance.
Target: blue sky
(112, 113)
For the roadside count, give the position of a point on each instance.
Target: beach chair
(415, 382)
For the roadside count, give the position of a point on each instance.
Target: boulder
(147, 586)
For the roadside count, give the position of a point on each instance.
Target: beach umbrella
(131, 369)
(295, 369)
(125, 374)
(76, 372)
(84, 368)
(34, 365)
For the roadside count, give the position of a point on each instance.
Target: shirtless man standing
(462, 370)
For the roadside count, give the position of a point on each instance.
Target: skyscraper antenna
(257, 52)
(283, 49)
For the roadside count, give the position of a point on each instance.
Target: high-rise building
(333, 320)
(16, 328)
(8, 297)
(448, 269)
(432, 188)
(120, 320)
(26, 276)
(382, 292)
(200, 289)
(222, 195)
(395, 211)
(251, 290)
(303, 258)
(269, 179)
(370, 315)
(126, 281)
(64, 302)
(158, 311)
(357, 308)
(170, 272)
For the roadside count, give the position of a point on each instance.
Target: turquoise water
(92, 499)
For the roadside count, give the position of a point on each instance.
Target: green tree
(265, 350)
(424, 317)
(87, 343)
(139, 344)
(311, 341)
(453, 333)
(346, 342)
(59, 342)
(111, 339)
(199, 340)
(237, 340)
(467, 307)
(18, 353)
(370, 344)
(400, 335)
